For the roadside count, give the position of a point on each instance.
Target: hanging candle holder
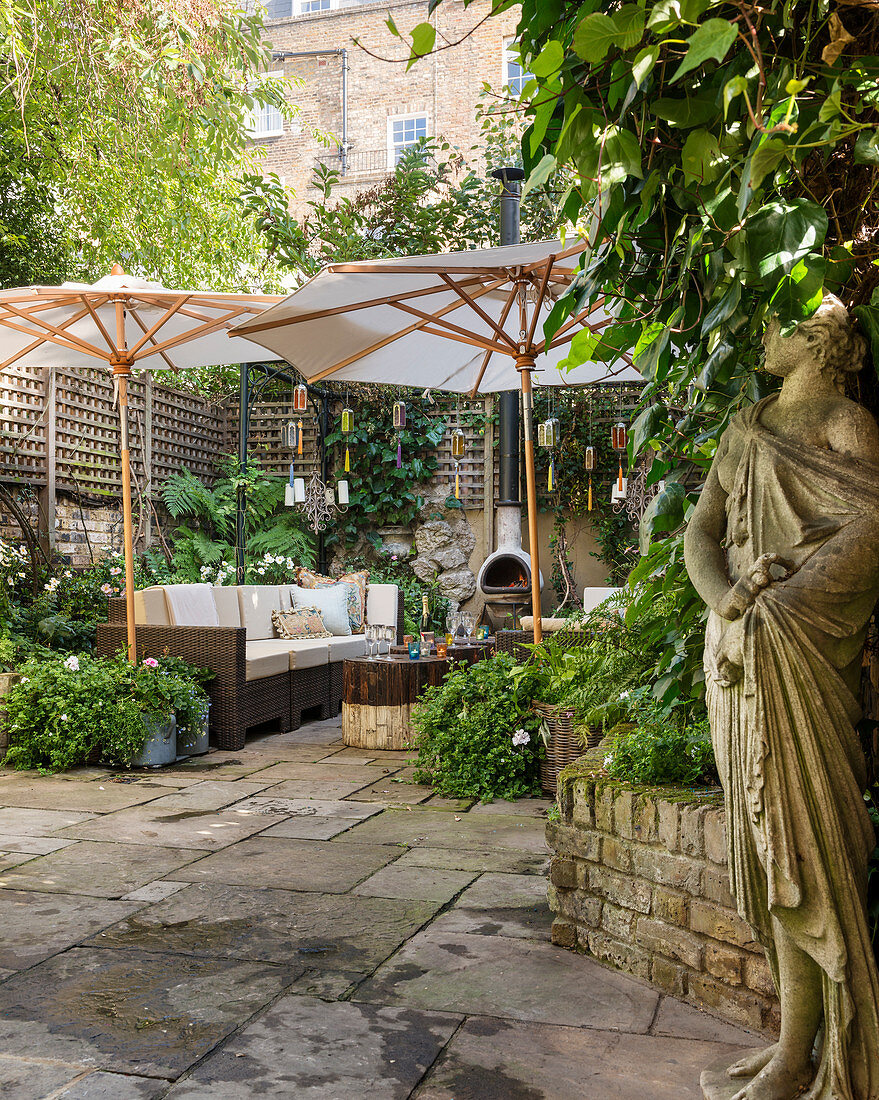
(399, 425)
(289, 435)
(347, 428)
(548, 435)
(619, 440)
(300, 398)
(457, 454)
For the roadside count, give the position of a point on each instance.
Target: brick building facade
(387, 106)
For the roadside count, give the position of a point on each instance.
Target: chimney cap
(508, 174)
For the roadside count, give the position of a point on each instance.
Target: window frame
(252, 132)
(392, 147)
(510, 54)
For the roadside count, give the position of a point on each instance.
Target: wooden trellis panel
(471, 467)
(266, 421)
(186, 431)
(23, 424)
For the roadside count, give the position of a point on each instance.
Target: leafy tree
(724, 161)
(130, 124)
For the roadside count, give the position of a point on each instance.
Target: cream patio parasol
(125, 323)
(469, 322)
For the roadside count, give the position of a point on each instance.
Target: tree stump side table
(378, 695)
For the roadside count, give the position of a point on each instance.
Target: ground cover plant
(475, 734)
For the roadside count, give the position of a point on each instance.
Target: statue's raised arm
(784, 548)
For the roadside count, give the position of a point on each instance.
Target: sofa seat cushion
(266, 658)
(300, 653)
(342, 648)
(191, 605)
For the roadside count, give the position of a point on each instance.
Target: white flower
(521, 737)
(10, 580)
(24, 679)
(625, 694)
(72, 663)
(63, 718)
(608, 760)
(289, 563)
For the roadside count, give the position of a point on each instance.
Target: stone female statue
(783, 546)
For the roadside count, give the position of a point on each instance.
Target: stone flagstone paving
(300, 920)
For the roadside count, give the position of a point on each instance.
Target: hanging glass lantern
(347, 428)
(619, 436)
(457, 452)
(300, 398)
(289, 435)
(589, 459)
(399, 425)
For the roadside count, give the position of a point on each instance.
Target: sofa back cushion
(332, 603)
(150, 607)
(228, 609)
(592, 597)
(381, 604)
(356, 586)
(191, 605)
(257, 602)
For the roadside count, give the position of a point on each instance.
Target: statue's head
(828, 339)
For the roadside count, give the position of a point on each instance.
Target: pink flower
(150, 662)
(106, 589)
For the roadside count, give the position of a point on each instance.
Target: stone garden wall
(639, 880)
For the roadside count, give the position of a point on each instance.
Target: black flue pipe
(508, 401)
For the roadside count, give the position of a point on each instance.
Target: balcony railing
(360, 161)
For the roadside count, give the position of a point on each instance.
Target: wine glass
(389, 633)
(453, 621)
(371, 639)
(468, 621)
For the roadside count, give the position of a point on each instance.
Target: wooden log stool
(378, 695)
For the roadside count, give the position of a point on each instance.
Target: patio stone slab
(522, 807)
(32, 845)
(290, 865)
(313, 828)
(490, 1059)
(206, 830)
(680, 1020)
(389, 790)
(114, 1086)
(131, 1012)
(437, 829)
(36, 926)
(456, 805)
(23, 1079)
(319, 931)
(306, 1048)
(94, 796)
(357, 775)
(8, 860)
(500, 891)
(21, 821)
(155, 891)
(501, 905)
(415, 882)
(309, 807)
(327, 790)
(211, 794)
(97, 870)
(514, 978)
(466, 859)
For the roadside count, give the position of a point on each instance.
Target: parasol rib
(110, 344)
(508, 305)
(433, 319)
(39, 340)
(142, 325)
(54, 335)
(187, 337)
(541, 293)
(332, 311)
(163, 320)
(572, 322)
(478, 310)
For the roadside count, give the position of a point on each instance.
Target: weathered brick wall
(444, 86)
(81, 533)
(639, 880)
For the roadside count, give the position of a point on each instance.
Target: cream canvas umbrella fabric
(127, 324)
(469, 322)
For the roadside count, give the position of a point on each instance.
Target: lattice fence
(23, 424)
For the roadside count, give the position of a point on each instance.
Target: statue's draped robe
(784, 735)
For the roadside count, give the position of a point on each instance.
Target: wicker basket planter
(564, 745)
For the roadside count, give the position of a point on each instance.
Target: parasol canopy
(125, 323)
(469, 322)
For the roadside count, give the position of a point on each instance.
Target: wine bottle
(426, 632)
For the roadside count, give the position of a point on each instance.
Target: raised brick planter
(639, 880)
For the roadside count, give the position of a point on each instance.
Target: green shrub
(658, 750)
(476, 738)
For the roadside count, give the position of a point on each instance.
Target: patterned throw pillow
(356, 584)
(301, 622)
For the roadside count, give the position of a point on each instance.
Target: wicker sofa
(258, 677)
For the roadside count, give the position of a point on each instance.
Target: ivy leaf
(722, 357)
(686, 112)
(867, 147)
(765, 159)
(664, 15)
(724, 308)
(700, 157)
(630, 20)
(735, 87)
(594, 36)
(663, 514)
(781, 234)
(622, 156)
(711, 40)
(799, 293)
(643, 64)
(392, 26)
(549, 60)
(644, 427)
(648, 351)
(539, 174)
(868, 318)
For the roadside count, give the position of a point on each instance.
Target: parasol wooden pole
(525, 365)
(122, 370)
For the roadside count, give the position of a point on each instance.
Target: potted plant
(190, 703)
